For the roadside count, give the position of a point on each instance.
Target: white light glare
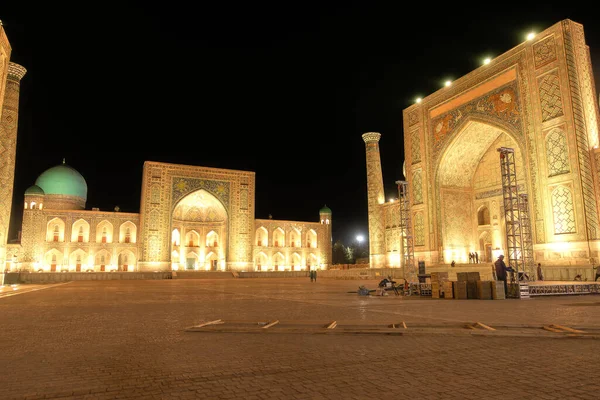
(419, 99)
(448, 83)
(530, 35)
(359, 238)
(487, 61)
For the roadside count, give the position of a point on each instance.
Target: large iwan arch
(538, 99)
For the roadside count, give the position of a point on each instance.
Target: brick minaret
(376, 198)
(8, 149)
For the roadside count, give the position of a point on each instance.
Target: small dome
(35, 190)
(325, 210)
(63, 180)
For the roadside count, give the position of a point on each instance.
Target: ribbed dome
(35, 190)
(325, 210)
(63, 180)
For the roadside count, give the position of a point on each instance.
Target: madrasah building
(191, 217)
(504, 160)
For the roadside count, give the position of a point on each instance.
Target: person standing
(597, 273)
(501, 272)
(476, 258)
(312, 275)
(539, 272)
(315, 275)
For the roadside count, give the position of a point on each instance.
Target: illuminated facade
(539, 99)
(191, 218)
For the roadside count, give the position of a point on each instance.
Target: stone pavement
(130, 340)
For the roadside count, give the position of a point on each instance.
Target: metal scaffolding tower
(406, 234)
(527, 239)
(512, 216)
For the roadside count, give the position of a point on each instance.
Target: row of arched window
(80, 232)
(278, 238)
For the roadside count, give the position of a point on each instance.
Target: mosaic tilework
(575, 54)
(544, 52)
(550, 97)
(415, 142)
(563, 211)
(417, 189)
(557, 152)
(419, 229)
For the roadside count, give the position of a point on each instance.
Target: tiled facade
(539, 99)
(191, 218)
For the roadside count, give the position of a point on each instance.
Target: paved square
(131, 340)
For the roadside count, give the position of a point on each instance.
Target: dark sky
(284, 89)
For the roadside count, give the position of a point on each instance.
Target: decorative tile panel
(415, 142)
(563, 211)
(557, 152)
(550, 97)
(544, 52)
(419, 229)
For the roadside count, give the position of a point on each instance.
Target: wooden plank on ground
(217, 321)
(270, 324)
(566, 328)
(484, 326)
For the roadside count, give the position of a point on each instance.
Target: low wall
(51, 277)
(204, 275)
(354, 274)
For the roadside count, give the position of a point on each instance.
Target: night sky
(284, 89)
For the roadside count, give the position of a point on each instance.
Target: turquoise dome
(35, 190)
(63, 180)
(325, 210)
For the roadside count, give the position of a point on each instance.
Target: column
(376, 198)
(8, 150)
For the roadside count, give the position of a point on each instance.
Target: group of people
(473, 258)
(313, 275)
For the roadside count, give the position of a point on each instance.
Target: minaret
(376, 198)
(325, 241)
(8, 149)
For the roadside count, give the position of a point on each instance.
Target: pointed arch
(128, 232)
(53, 260)
(102, 261)
(278, 237)
(80, 231)
(104, 232)
(483, 215)
(192, 238)
(126, 260)
(212, 239)
(295, 238)
(311, 239)
(262, 236)
(261, 262)
(78, 261)
(55, 230)
(175, 237)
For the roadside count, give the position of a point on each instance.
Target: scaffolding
(406, 235)
(513, 219)
(527, 240)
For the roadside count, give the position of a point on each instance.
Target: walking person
(476, 258)
(312, 275)
(539, 272)
(315, 275)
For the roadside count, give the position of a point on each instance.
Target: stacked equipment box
(498, 290)
(484, 290)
